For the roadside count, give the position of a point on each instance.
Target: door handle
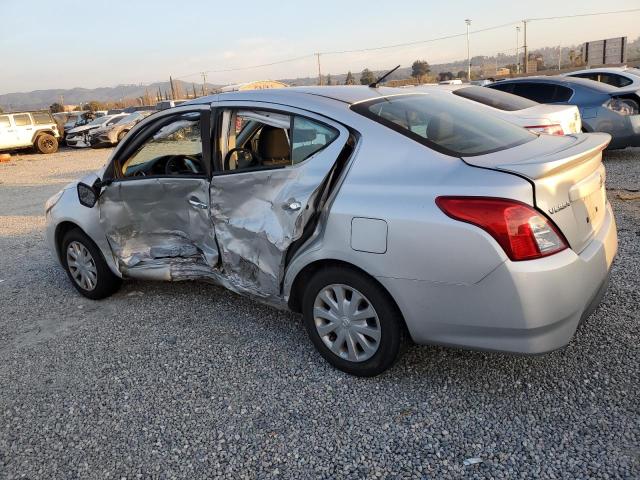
(292, 205)
(195, 203)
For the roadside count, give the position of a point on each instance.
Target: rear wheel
(352, 321)
(46, 143)
(86, 267)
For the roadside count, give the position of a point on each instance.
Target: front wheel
(86, 267)
(46, 143)
(352, 321)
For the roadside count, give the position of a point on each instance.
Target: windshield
(98, 121)
(445, 124)
(495, 98)
(131, 118)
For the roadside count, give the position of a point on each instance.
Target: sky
(100, 43)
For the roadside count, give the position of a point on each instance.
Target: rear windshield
(495, 98)
(445, 124)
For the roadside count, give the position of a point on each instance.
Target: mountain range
(39, 99)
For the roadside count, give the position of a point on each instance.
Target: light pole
(468, 22)
(517, 50)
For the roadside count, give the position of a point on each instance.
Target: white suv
(29, 129)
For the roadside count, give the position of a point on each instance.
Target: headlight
(49, 204)
(623, 106)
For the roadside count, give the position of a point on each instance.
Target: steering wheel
(248, 155)
(180, 164)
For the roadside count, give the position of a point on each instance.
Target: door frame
(145, 129)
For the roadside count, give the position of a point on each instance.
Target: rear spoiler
(586, 147)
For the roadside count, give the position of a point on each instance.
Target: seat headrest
(440, 127)
(273, 143)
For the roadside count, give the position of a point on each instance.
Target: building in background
(258, 85)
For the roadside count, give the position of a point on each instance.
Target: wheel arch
(37, 133)
(61, 230)
(296, 291)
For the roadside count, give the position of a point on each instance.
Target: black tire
(46, 143)
(107, 282)
(390, 320)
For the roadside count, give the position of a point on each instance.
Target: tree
(56, 108)
(462, 75)
(419, 69)
(350, 80)
(367, 77)
(329, 82)
(443, 76)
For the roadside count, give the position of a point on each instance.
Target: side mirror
(87, 195)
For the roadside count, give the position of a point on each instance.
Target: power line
(631, 10)
(405, 44)
(237, 69)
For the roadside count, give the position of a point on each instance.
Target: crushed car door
(271, 169)
(155, 208)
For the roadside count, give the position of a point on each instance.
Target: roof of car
(567, 81)
(349, 94)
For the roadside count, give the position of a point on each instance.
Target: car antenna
(375, 84)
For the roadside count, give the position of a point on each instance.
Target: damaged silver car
(371, 211)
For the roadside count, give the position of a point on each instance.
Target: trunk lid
(567, 116)
(568, 179)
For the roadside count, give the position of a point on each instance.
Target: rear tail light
(548, 129)
(523, 232)
(623, 106)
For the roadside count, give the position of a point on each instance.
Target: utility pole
(559, 56)
(526, 50)
(173, 91)
(517, 50)
(204, 82)
(468, 22)
(319, 70)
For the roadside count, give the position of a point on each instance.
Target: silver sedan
(371, 211)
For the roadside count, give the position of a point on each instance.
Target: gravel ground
(188, 380)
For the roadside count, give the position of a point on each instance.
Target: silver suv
(29, 129)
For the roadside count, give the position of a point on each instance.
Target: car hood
(83, 128)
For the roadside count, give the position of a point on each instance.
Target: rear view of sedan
(370, 211)
(603, 108)
(534, 116)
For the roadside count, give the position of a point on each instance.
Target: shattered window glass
(174, 149)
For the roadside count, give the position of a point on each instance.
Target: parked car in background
(620, 77)
(114, 111)
(100, 113)
(79, 136)
(140, 108)
(481, 83)
(455, 81)
(537, 117)
(29, 129)
(164, 104)
(368, 210)
(110, 135)
(603, 108)
(74, 119)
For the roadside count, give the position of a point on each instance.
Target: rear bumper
(522, 307)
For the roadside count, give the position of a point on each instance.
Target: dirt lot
(189, 380)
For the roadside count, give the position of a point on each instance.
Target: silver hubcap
(82, 266)
(347, 322)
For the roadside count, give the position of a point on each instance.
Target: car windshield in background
(495, 98)
(446, 125)
(131, 118)
(98, 121)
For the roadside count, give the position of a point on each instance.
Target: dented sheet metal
(258, 215)
(153, 230)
